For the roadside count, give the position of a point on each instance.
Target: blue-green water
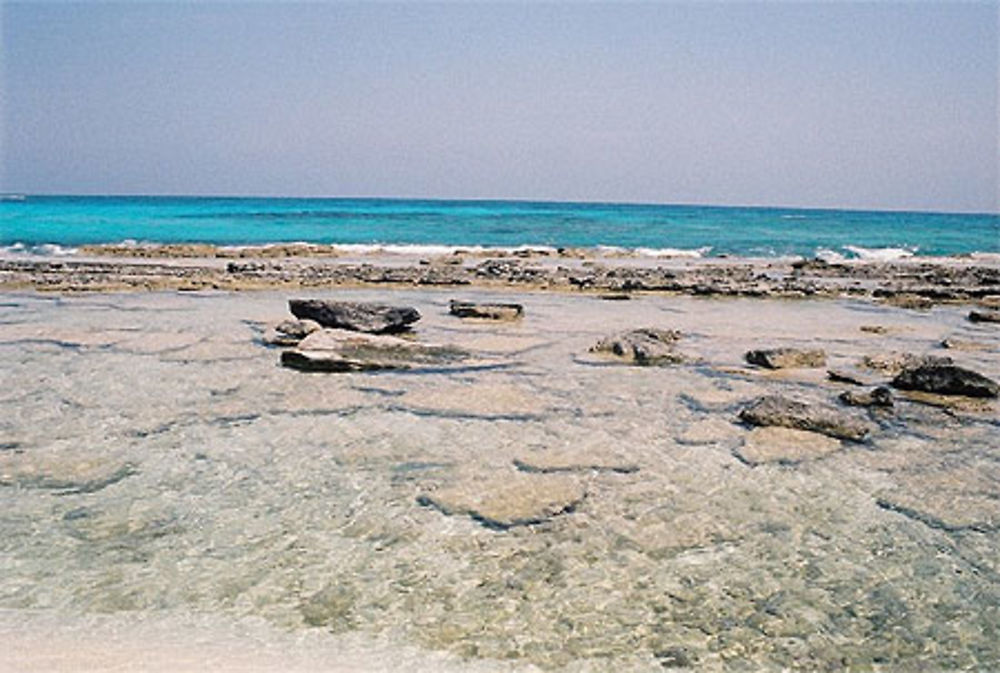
(35, 223)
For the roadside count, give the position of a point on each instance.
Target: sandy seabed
(174, 499)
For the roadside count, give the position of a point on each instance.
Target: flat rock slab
(784, 445)
(550, 461)
(331, 350)
(478, 399)
(644, 346)
(64, 472)
(510, 500)
(485, 311)
(954, 499)
(782, 358)
(893, 363)
(355, 316)
(946, 379)
(774, 410)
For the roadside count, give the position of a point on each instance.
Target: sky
(844, 105)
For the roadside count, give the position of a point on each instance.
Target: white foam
(880, 254)
(827, 255)
(41, 249)
(696, 253)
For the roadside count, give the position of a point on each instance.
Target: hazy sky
(852, 105)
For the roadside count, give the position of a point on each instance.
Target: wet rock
(645, 346)
(893, 363)
(984, 316)
(331, 350)
(289, 332)
(774, 410)
(781, 358)
(355, 316)
(874, 329)
(572, 460)
(784, 445)
(963, 345)
(846, 376)
(63, 472)
(907, 300)
(330, 607)
(877, 397)
(464, 309)
(510, 500)
(946, 379)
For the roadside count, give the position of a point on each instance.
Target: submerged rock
(774, 410)
(289, 332)
(62, 472)
(784, 445)
(464, 309)
(946, 379)
(878, 397)
(644, 346)
(355, 316)
(513, 500)
(984, 316)
(584, 459)
(781, 358)
(331, 350)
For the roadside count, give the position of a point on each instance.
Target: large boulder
(946, 379)
(466, 309)
(355, 316)
(331, 350)
(781, 358)
(644, 346)
(774, 410)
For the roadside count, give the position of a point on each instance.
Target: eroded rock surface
(64, 472)
(893, 363)
(877, 397)
(289, 332)
(355, 316)
(984, 315)
(774, 410)
(573, 460)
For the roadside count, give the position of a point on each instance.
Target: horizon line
(5, 197)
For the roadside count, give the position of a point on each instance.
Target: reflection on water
(156, 461)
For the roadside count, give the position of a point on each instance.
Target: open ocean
(52, 224)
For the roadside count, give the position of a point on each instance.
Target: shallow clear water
(71, 221)
(158, 461)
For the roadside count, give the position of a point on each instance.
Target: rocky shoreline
(909, 283)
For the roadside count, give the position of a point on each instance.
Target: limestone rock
(572, 460)
(877, 397)
(946, 379)
(289, 332)
(333, 350)
(893, 363)
(774, 410)
(509, 500)
(464, 309)
(784, 445)
(355, 316)
(851, 377)
(64, 472)
(984, 316)
(781, 358)
(644, 346)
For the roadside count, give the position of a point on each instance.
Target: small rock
(946, 379)
(355, 316)
(963, 345)
(984, 316)
(464, 309)
(893, 363)
(645, 346)
(784, 445)
(774, 410)
(331, 350)
(844, 376)
(289, 332)
(508, 501)
(878, 397)
(781, 358)
(330, 607)
(874, 329)
(615, 296)
(911, 301)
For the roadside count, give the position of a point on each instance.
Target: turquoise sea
(53, 223)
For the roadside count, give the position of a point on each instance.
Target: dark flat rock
(946, 379)
(485, 311)
(355, 316)
(781, 358)
(984, 316)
